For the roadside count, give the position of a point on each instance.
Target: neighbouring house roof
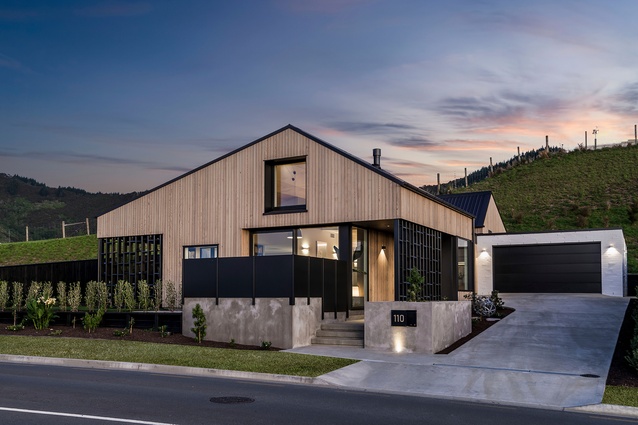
(475, 203)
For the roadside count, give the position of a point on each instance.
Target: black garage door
(554, 268)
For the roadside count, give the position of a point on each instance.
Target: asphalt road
(32, 394)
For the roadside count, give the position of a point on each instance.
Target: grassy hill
(26, 202)
(52, 250)
(575, 190)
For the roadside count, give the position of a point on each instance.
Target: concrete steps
(340, 333)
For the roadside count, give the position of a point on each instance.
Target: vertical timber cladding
(130, 258)
(420, 247)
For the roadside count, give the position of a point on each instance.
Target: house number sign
(403, 318)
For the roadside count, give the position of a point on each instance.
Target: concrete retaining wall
(270, 319)
(439, 325)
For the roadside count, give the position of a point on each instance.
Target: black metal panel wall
(549, 268)
(273, 276)
(67, 271)
(235, 277)
(420, 247)
(287, 276)
(130, 258)
(202, 278)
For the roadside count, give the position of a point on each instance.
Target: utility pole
(465, 176)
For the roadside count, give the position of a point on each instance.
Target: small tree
(129, 296)
(172, 296)
(17, 300)
(62, 296)
(415, 285)
(118, 295)
(143, 295)
(158, 289)
(75, 296)
(199, 326)
(4, 294)
(91, 296)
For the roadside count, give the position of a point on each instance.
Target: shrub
(143, 295)
(62, 296)
(4, 294)
(16, 300)
(265, 345)
(129, 296)
(91, 297)
(47, 290)
(172, 296)
(118, 295)
(34, 290)
(92, 321)
(199, 326)
(75, 296)
(415, 284)
(157, 295)
(102, 295)
(40, 311)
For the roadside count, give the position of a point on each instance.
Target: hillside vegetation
(575, 190)
(52, 250)
(27, 202)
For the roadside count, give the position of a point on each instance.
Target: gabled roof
(351, 157)
(475, 203)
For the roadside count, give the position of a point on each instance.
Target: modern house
(286, 232)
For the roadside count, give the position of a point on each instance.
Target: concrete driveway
(554, 351)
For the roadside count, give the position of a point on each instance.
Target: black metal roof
(475, 203)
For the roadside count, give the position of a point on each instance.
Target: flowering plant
(40, 311)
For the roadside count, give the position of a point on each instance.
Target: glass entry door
(359, 267)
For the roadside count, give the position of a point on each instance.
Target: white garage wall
(613, 255)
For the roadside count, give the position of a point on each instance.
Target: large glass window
(286, 185)
(202, 251)
(462, 255)
(273, 243)
(322, 242)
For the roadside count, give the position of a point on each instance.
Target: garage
(548, 268)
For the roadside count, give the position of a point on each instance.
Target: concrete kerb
(155, 368)
(602, 409)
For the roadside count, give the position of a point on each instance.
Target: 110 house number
(403, 318)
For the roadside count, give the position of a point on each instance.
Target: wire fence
(61, 229)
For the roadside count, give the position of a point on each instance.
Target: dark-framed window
(286, 189)
(197, 252)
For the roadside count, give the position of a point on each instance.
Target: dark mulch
(620, 373)
(478, 325)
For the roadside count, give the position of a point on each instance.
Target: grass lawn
(624, 396)
(168, 354)
(52, 250)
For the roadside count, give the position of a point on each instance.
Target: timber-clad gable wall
(218, 203)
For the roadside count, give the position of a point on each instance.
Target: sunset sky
(120, 96)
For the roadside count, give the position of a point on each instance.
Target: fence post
(635, 134)
(63, 230)
(465, 176)
(585, 140)
(27, 233)
(438, 183)
(547, 143)
(88, 229)
(519, 154)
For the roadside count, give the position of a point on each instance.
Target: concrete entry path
(554, 351)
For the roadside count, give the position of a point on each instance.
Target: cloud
(368, 127)
(76, 158)
(327, 7)
(414, 142)
(625, 101)
(11, 63)
(107, 9)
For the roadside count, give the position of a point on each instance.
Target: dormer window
(286, 185)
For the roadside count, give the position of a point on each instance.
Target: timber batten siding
(220, 202)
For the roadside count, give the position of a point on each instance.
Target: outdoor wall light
(382, 247)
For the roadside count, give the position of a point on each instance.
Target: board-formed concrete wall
(613, 255)
(270, 319)
(439, 325)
